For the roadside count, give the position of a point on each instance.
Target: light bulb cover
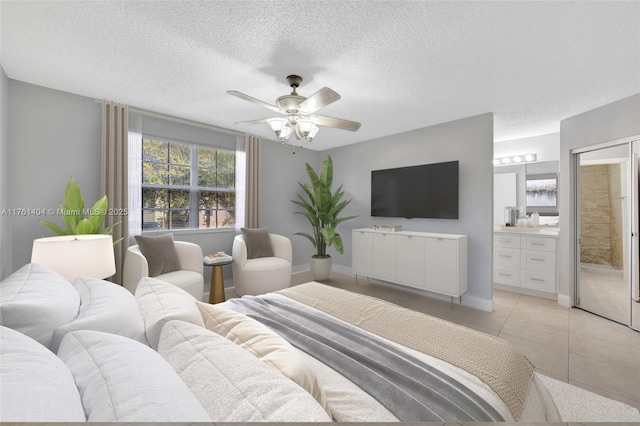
(281, 128)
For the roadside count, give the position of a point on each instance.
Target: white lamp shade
(74, 256)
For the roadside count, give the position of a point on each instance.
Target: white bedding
(349, 403)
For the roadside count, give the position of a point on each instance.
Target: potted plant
(73, 213)
(322, 209)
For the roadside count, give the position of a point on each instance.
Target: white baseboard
(342, 270)
(565, 300)
(296, 269)
(526, 291)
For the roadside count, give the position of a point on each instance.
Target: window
(186, 186)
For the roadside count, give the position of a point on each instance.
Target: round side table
(216, 292)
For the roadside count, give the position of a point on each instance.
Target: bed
(377, 361)
(92, 351)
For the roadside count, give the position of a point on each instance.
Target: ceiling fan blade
(320, 99)
(254, 100)
(339, 123)
(261, 120)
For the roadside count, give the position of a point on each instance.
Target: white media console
(433, 262)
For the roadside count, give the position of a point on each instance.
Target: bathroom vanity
(526, 262)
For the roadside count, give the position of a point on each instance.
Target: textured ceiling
(399, 65)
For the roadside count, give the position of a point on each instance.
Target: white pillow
(265, 344)
(35, 385)
(35, 301)
(104, 306)
(232, 384)
(121, 380)
(160, 302)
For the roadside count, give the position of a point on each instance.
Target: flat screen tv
(426, 191)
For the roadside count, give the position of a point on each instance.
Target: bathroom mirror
(539, 180)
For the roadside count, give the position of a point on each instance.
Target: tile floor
(567, 344)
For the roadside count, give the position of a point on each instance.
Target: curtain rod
(180, 120)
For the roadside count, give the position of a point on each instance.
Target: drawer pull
(537, 260)
(503, 274)
(505, 255)
(537, 279)
(537, 244)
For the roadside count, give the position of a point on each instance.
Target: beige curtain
(115, 124)
(252, 194)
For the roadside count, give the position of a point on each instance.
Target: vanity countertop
(542, 231)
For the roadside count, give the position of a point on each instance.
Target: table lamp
(74, 256)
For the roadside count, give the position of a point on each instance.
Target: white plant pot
(320, 268)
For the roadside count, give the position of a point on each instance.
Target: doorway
(607, 231)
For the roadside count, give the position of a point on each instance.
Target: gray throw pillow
(160, 253)
(258, 242)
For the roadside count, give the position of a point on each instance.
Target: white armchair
(263, 274)
(189, 277)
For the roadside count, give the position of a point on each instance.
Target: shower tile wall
(600, 211)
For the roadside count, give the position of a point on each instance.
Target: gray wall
(470, 141)
(54, 136)
(281, 170)
(5, 229)
(610, 122)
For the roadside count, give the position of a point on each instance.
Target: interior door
(605, 198)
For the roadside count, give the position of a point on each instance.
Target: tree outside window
(186, 186)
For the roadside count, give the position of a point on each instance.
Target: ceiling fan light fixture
(306, 130)
(281, 128)
(299, 112)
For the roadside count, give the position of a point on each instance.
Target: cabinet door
(410, 260)
(441, 265)
(362, 252)
(384, 256)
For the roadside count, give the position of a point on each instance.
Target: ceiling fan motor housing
(289, 103)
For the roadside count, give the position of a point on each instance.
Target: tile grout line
(509, 315)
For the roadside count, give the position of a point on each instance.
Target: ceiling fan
(299, 113)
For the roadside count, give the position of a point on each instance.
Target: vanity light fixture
(515, 159)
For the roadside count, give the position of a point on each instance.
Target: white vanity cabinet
(525, 261)
(434, 262)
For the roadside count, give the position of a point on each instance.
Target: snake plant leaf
(53, 227)
(98, 212)
(84, 227)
